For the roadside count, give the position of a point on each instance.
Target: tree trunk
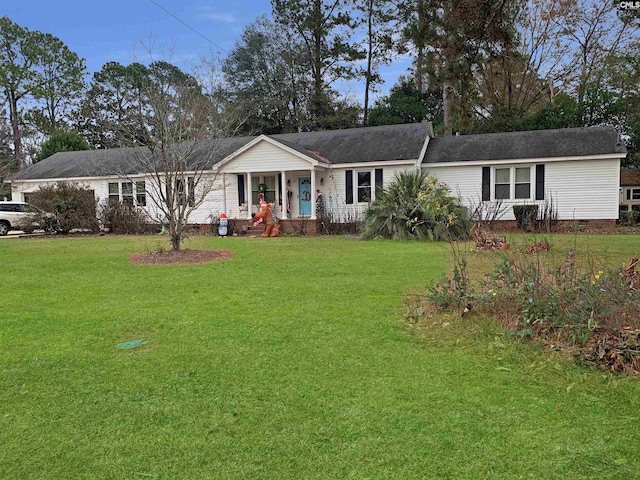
(175, 234)
(446, 107)
(317, 61)
(420, 44)
(367, 85)
(18, 157)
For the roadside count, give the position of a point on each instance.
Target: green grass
(290, 361)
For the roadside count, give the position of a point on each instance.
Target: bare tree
(527, 71)
(598, 32)
(179, 131)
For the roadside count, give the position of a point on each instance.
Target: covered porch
(276, 172)
(293, 193)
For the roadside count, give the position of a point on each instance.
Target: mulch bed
(182, 257)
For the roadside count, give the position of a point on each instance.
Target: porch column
(224, 195)
(283, 192)
(249, 197)
(313, 194)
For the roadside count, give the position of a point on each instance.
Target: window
(270, 192)
(256, 185)
(364, 187)
(266, 185)
(511, 183)
(502, 184)
(114, 192)
(635, 194)
(127, 192)
(141, 194)
(180, 194)
(9, 207)
(523, 182)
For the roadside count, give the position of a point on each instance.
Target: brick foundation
(562, 225)
(289, 227)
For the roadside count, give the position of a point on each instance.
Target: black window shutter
(540, 182)
(486, 184)
(378, 181)
(349, 186)
(279, 188)
(628, 194)
(241, 197)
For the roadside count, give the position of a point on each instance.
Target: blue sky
(105, 30)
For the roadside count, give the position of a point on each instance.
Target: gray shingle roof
(354, 145)
(370, 144)
(565, 142)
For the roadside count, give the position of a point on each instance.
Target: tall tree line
(477, 66)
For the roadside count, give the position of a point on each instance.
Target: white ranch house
(579, 168)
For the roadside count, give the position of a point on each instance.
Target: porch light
(322, 181)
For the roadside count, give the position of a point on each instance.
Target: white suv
(17, 216)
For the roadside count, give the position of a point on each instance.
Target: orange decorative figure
(264, 216)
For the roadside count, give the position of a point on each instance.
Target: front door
(304, 189)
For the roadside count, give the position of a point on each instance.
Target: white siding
(463, 182)
(585, 189)
(212, 205)
(581, 189)
(266, 157)
(334, 189)
(19, 189)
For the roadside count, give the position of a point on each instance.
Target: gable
(266, 156)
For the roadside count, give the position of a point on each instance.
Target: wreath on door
(262, 188)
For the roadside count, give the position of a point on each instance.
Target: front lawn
(292, 360)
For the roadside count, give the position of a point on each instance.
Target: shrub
(73, 206)
(416, 206)
(452, 292)
(328, 224)
(547, 216)
(123, 218)
(526, 216)
(487, 213)
(562, 305)
(629, 218)
(592, 312)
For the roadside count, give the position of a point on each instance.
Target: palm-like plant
(416, 206)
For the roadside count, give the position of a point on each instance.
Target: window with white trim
(502, 184)
(114, 191)
(523, 182)
(141, 194)
(512, 183)
(266, 185)
(633, 194)
(128, 192)
(363, 179)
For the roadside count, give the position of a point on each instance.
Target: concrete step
(251, 230)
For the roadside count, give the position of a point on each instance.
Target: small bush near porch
(292, 360)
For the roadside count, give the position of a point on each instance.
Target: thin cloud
(205, 13)
(221, 17)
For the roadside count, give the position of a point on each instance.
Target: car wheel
(4, 228)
